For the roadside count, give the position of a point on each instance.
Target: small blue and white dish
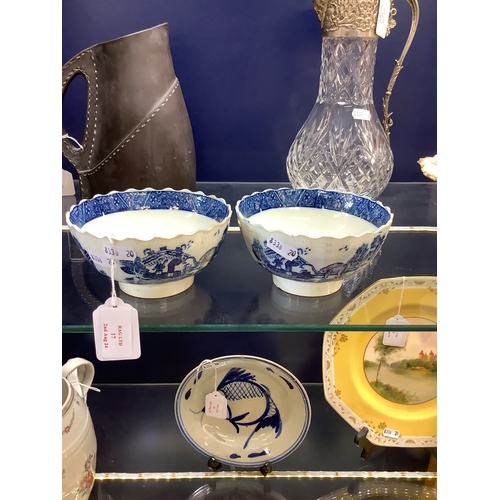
(268, 411)
(312, 239)
(152, 242)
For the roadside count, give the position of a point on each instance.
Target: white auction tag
(215, 405)
(391, 433)
(396, 339)
(361, 114)
(67, 202)
(118, 252)
(384, 10)
(68, 186)
(100, 259)
(281, 248)
(116, 331)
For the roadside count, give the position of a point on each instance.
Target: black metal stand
(266, 469)
(362, 442)
(215, 465)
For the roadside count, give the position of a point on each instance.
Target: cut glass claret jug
(343, 145)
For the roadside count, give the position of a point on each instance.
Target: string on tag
(215, 402)
(212, 364)
(396, 339)
(113, 290)
(75, 382)
(85, 385)
(66, 136)
(401, 297)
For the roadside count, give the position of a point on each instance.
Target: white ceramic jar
(79, 444)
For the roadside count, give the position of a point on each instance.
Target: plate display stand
(214, 465)
(362, 442)
(234, 308)
(367, 447)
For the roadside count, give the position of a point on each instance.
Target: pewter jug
(343, 145)
(79, 445)
(137, 129)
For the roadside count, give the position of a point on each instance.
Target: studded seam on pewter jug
(137, 129)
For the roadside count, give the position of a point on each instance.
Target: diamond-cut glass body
(333, 149)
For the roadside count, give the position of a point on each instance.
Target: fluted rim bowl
(151, 241)
(268, 414)
(311, 258)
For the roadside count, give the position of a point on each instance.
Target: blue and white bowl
(312, 239)
(268, 411)
(152, 242)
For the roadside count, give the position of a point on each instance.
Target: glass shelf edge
(393, 229)
(155, 476)
(261, 327)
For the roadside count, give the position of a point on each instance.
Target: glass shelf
(234, 308)
(249, 487)
(143, 455)
(234, 293)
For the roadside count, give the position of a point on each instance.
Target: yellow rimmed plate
(392, 391)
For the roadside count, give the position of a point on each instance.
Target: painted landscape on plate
(405, 375)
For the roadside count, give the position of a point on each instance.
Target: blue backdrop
(249, 72)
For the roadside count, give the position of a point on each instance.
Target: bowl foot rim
(307, 289)
(159, 291)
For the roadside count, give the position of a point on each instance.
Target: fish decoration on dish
(268, 411)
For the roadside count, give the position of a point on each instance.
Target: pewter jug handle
(83, 64)
(80, 373)
(387, 121)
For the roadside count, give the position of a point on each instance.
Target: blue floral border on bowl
(87, 210)
(360, 206)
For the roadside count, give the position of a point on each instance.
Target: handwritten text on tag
(100, 259)
(216, 405)
(118, 252)
(281, 248)
(396, 339)
(116, 331)
(391, 433)
(383, 18)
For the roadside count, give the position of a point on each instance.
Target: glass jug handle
(387, 121)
